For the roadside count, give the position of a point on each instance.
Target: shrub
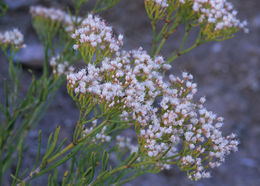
(117, 90)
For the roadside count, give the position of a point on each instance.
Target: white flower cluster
(165, 110)
(55, 15)
(13, 38)
(218, 12)
(180, 120)
(124, 70)
(95, 33)
(100, 137)
(60, 67)
(48, 13)
(173, 126)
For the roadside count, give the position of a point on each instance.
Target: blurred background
(227, 73)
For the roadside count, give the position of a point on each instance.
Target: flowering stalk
(40, 92)
(14, 108)
(216, 19)
(103, 5)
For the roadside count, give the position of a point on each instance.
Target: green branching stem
(121, 168)
(163, 35)
(181, 52)
(46, 60)
(61, 153)
(131, 178)
(154, 44)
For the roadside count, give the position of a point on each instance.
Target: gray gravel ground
(228, 73)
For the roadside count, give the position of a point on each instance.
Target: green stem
(46, 60)
(184, 38)
(99, 178)
(154, 38)
(62, 152)
(175, 54)
(160, 47)
(163, 35)
(74, 144)
(131, 178)
(96, 5)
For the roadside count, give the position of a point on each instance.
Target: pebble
(15, 4)
(256, 21)
(32, 55)
(216, 48)
(248, 162)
